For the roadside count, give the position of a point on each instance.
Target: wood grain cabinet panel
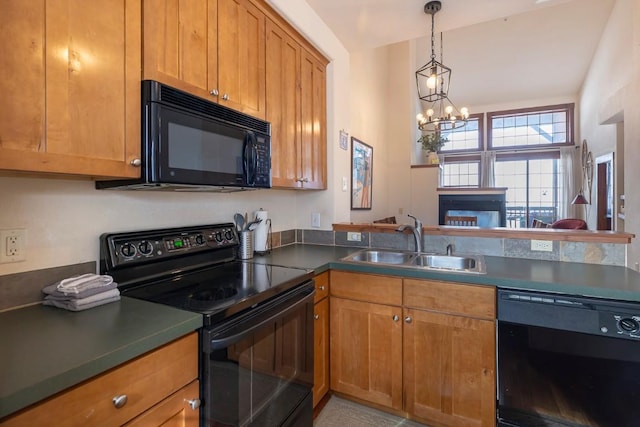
(145, 381)
(296, 108)
(180, 410)
(320, 350)
(70, 79)
(366, 351)
(214, 49)
(449, 369)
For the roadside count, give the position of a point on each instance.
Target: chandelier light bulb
(431, 81)
(420, 117)
(430, 112)
(465, 112)
(448, 109)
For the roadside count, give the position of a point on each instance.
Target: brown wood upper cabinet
(296, 108)
(214, 49)
(70, 84)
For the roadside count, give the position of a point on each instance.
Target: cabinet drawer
(453, 298)
(322, 286)
(366, 287)
(145, 381)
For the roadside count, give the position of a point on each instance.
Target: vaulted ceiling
(499, 50)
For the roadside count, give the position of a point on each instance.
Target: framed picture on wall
(361, 174)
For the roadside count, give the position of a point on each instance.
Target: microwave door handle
(250, 158)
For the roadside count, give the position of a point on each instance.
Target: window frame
(471, 158)
(480, 146)
(566, 108)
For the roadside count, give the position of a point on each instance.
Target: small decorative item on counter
(82, 292)
(431, 143)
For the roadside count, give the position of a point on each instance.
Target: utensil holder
(245, 251)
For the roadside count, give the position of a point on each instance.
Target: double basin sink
(427, 261)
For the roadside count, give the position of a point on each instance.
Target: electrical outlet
(315, 220)
(354, 236)
(542, 245)
(12, 245)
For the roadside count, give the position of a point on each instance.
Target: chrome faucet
(416, 229)
(450, 248)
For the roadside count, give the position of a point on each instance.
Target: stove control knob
(228, 235)
(627, 324)
(200, 240)
(128, 250)
(145, 247)
(218, 236)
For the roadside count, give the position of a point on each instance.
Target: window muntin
(530, 127)
(467, 138)
(461, 173)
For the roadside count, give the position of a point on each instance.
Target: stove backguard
(489, 208)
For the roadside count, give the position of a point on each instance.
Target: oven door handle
(238, 329)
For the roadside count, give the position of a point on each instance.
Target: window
(467, 138)
(531, 127)
(533, 187)
(461, 173)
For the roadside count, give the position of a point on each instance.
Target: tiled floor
(344, 413)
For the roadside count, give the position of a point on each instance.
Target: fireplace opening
(490, 209)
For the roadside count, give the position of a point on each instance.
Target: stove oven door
(257, 369)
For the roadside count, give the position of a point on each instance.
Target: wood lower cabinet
(321, 338)
(436, 364)
(214, 49)
(157, 381)
(366, 338)
(70, 84)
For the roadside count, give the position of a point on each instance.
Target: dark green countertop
(573, 278)
(46, 350)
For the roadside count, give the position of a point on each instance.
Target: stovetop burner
(194, 269)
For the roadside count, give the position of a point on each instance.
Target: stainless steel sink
(381, 257)
(423, 261)
(467, 263)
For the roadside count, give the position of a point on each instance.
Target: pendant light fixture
(432, 80)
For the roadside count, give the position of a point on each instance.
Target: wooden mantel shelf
(587, 236)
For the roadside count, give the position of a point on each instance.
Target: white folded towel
(84, 303)
(76, 284)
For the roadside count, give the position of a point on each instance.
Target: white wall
(610, 96)
(64, 218)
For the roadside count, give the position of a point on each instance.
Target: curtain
(487, 169)
(441, 159)
(567, 183)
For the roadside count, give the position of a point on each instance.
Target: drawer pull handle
(120, 401)
(193, 403)
(316, 316)
(321, 288)
(395, 318)
(407, 319)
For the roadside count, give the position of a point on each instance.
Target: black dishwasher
(567, 361)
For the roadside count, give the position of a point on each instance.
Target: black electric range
(248, 309)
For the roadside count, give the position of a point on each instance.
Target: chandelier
(432, 80)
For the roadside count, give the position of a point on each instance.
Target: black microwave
(192, 144)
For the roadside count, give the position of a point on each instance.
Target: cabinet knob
(225, 97)
(193, 403)
(395, 317)
(214, 92)
(136, 162)
(321, 287)
(316, 316)
(120, 401)
(407, 319)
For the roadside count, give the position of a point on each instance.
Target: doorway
(604, 194)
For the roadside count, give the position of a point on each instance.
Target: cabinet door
(241, 56)
(81, 115)
(313, 119)
(449, 369)
(180, 44)
(320, 350)
(180, 409)
(366, 351)
(283, 106)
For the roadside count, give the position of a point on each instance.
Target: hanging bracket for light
(433, 80)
